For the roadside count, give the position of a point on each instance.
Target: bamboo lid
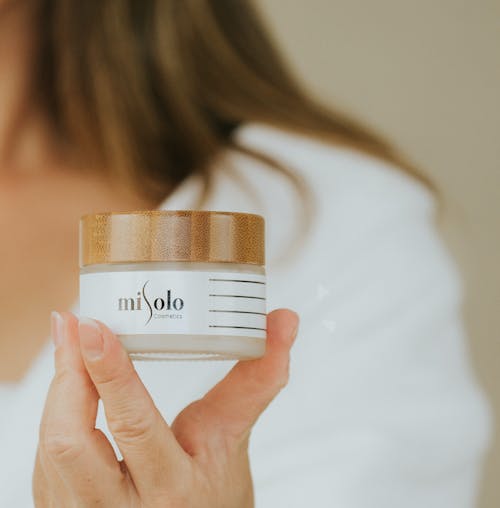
(172, 235)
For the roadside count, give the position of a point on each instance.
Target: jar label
(176, 302)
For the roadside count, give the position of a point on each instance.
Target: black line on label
(238, 312)
(238, 280)
(241, 296)
(242, 327)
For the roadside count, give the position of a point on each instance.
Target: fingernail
(90, 338)
(57, 330)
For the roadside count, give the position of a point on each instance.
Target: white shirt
(382, 409)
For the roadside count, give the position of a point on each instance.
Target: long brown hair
(153, 89)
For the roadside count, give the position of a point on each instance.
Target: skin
(201, 459)
(42, 196)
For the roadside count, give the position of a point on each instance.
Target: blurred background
(427, 75)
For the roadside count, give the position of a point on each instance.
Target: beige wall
(427, 74)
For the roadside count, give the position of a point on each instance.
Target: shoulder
(368, 214)
(381, 341)
(336, 171)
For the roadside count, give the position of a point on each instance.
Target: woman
(108, 105)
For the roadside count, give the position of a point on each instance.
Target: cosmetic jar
(176, 284)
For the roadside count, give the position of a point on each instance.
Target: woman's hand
(200, 461)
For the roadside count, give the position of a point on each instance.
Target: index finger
(73, 454)
(146, 442)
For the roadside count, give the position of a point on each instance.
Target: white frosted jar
(176, 284)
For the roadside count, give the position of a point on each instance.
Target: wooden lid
(171, 235)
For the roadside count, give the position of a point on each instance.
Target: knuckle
(112, 378)
(131, 426)
(282, 379)
(281, 382)
(63, 447)
(63, 375)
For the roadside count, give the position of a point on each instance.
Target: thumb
(234, 404)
